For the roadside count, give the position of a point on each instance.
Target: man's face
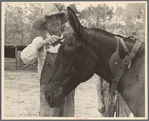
(53, 24)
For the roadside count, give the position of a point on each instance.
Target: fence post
(18, 60)
(16, 56)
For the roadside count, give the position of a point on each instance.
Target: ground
(21, 96)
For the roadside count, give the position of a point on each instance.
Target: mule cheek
(53, 96)
(71, 85)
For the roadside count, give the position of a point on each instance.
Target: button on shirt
(30, 53)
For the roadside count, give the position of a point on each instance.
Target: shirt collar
(48, 35)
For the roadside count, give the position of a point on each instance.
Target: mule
(87, 51)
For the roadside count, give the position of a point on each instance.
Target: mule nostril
(49, 98)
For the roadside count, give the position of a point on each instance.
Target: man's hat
(49, 10)
(119, 32)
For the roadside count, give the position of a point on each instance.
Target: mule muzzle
(54, 98)
(49, 97)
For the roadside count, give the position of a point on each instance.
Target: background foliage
(18, 19)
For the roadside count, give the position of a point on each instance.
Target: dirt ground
(21, 96)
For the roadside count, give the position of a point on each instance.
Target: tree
(60, 6)
(18, 22)
(134, 17)
(119, 13)
(97, 16)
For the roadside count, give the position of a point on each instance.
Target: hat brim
(119, 32)
(121, 35)
(38, 24)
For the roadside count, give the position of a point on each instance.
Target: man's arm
(32, 51)
(48, 41)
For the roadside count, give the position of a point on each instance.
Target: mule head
(76, 62)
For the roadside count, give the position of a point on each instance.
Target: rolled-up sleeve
(30, 53)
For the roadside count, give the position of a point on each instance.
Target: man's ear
(74, 22)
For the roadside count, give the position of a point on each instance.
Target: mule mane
(102, 32)
(106, 33)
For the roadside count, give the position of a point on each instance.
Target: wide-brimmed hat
(49, 10)
(120, 32)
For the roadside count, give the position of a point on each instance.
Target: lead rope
(113, 93)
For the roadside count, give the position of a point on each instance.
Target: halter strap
(127, 59)
(117, 48)
(118, 70)
(124, 45)
(135, 49)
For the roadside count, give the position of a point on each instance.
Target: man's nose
(55, 20)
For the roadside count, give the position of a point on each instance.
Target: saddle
(118, 66)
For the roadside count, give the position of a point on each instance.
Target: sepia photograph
(74, 60)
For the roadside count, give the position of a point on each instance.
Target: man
(103, 93)
(50, 23)
(103, 96)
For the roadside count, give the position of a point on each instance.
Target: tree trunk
(5, 25)
(19, 27)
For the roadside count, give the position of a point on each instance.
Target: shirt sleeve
(30, 53)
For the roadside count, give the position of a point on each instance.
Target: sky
(81, 5)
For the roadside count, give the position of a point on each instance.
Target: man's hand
(47, 42)
(100, 107)
(50, 40)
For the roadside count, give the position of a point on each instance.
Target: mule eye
(69, 52)
(73, 70)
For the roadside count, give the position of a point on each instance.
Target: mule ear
(74, 22)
